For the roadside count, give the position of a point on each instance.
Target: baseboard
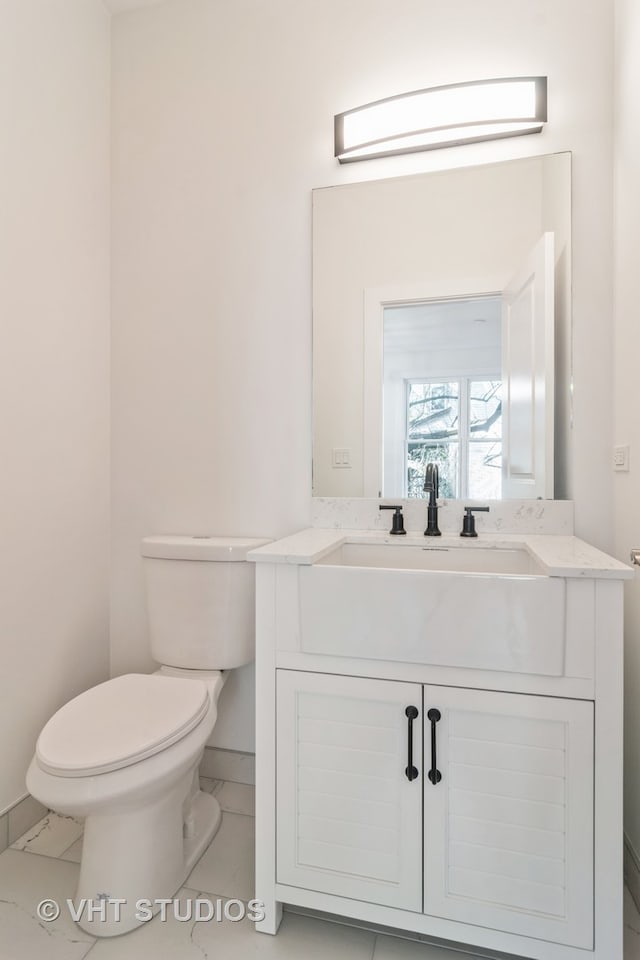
(632, 870)
(219, 764)
(446, 946)
(18, 819)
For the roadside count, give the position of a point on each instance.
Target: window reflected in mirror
(442, 363)
(458, 425)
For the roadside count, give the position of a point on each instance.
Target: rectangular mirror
(441, 332)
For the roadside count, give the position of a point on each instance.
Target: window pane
(433, 411)
(445, 455)
(485, 470)
(485, 409)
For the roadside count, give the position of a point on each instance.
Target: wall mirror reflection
(442, 319)
(442, 397)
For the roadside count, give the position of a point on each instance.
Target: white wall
(222, 125)
(627, 351)
(54, 304)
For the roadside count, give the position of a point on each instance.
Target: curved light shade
(442, 117)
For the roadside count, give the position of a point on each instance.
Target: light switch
(621, 457)
(340, 457)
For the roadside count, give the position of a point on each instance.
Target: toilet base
(207, 817)
(132, 860)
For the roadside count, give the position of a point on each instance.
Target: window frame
(464, 437)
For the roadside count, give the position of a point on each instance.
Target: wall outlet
(621, 457)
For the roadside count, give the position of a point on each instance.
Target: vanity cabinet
(514, 847)
(492, 792)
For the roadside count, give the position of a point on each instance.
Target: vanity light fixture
(444, 116)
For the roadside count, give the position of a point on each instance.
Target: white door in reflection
(528, 333)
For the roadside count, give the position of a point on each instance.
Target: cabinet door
(509, 826)
(349, 819)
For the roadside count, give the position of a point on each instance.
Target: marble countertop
(559, 556)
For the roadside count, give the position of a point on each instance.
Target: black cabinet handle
(434, 774)
(411, 772)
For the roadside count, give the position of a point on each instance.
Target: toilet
(125, 754)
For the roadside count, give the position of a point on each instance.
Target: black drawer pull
(434, 774)
(411, 714)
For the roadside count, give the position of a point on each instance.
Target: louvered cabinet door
(509, 826)
(349, 818)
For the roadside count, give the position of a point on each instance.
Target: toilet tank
(200, 600)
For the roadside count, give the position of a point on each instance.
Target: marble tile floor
(44, 864)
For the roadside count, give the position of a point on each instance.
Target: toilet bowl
(125, 754)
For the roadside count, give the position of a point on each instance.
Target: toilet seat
(119, 723)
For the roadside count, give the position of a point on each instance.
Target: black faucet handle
(469, 521)
(397, 521)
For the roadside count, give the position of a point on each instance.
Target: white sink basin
(409, 556)
(473, 605)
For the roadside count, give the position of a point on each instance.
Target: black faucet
(431, 483)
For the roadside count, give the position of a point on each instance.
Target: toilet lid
(120, 722)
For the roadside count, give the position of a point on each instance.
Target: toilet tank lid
(199, 548)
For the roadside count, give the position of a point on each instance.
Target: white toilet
(125, 754)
